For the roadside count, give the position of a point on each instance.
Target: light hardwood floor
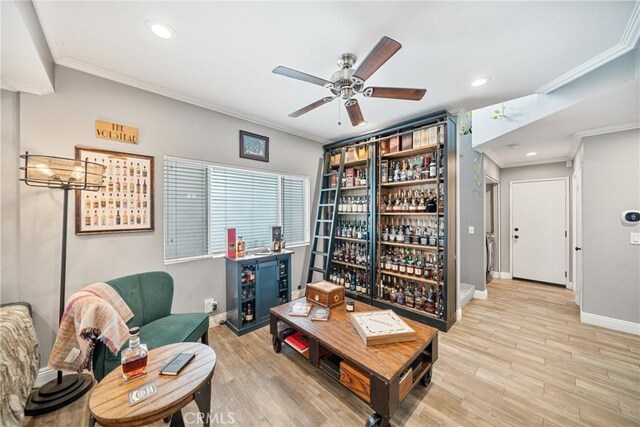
(521, 357)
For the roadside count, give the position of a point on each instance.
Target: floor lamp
(63, 174)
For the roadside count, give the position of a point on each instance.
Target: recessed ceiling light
(160, 29)
(533, 153)
(479, 82)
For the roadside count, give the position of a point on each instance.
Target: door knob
(516, 229)
(577, 248)
(516, 237)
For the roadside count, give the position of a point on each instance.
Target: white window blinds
(185, 209)
(201, 200)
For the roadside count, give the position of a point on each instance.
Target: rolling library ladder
(326, 214)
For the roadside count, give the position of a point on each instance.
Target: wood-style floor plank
(519, 358)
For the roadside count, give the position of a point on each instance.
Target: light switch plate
(635, 239)
(472, 229)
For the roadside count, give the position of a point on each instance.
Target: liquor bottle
(117, 167)
(240, 247)
(432, 167)
(96, 202)
(103, 201)
(118, 218)
(144, 187)
(117, 200)
(249, 313)
(132, 187)
(131, 169)
(138, 218)
(138, 186)
(137, 169)
(125, 203)
(144, 171)
(138, 201)
(110, 167)
(110, 185)
(103, 218)
(110, 218)
(117, 184)
(110, 201)
(125, 218)
(134, 358)
(132, 218)
(94, 219)
(87, 218)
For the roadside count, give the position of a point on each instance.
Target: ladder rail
(325, 221)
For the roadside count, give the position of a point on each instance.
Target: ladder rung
(324, 220)
(329, 189)
(319, 270)
(320, 253)
(325, 204)
(331, 173)
(317, 236)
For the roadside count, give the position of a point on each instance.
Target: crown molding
(159, 90)
(627, 43)
(535, 162)
(579, 136)
(16, 85)
(46, 12)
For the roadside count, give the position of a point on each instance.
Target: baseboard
(45, 375)
(480, 294)
(610, 323)
(495, 274)
(458, 314)
(215, 320)
(298, 293)
(505, 275)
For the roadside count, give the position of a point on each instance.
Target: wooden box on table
(325, 293)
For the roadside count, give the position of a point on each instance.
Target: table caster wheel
(277, 344)
(374, 420)
(426, 379)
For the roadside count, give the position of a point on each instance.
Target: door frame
(498, 220)
(576, 188)
(566, 220)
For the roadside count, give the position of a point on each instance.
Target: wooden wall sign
(116, 132)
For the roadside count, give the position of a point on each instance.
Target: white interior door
(539, 230)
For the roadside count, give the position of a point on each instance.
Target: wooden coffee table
(109, 402)
(381, 375)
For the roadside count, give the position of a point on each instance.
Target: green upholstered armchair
(149, 296)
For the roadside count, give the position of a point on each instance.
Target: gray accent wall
(9, 206)
(611, 265)
(472, 252)
(55, 124)
(522, 173)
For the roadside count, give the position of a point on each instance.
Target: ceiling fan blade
(380, 54)
(299, 75)
(312, 106)
(354, 111)
(410, 94)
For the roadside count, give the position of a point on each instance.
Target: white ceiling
(225, 51)
(27, 65)
(556, 137)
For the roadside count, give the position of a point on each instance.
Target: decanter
(134, 358)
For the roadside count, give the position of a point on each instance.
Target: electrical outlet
(210, 305)
(472, 229)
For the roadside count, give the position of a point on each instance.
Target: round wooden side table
(109, 402)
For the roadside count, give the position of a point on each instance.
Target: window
(201, 200)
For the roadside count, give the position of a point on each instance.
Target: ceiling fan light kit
(347, 82)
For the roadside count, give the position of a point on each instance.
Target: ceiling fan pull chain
(339, 122)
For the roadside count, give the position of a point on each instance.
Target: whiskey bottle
(144, 187)
(249, 314)
(96, 202)
(87, 202)
(94, 219)
(118, 218)
(117, 201)
(138, 186)
(110, 185)
(432, 167)
(117, 184)
(87, 219)
(134, 358)
(144, 171)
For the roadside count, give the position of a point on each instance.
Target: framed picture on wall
(254, 147)
(125, 202)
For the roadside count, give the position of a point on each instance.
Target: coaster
(142, 393)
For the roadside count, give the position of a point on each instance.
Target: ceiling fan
(346, 83)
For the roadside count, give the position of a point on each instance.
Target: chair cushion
(187, 327)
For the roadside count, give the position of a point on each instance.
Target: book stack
(299, 343)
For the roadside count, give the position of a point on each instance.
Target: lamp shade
(61, 172)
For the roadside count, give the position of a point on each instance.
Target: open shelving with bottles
(410, 190)
(350, 260)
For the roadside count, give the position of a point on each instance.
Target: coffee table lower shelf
(382, 395)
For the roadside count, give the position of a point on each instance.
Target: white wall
(10, 208)
(54, 124)
(611, 266)
(522, 173)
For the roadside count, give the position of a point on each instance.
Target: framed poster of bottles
(125, 201)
